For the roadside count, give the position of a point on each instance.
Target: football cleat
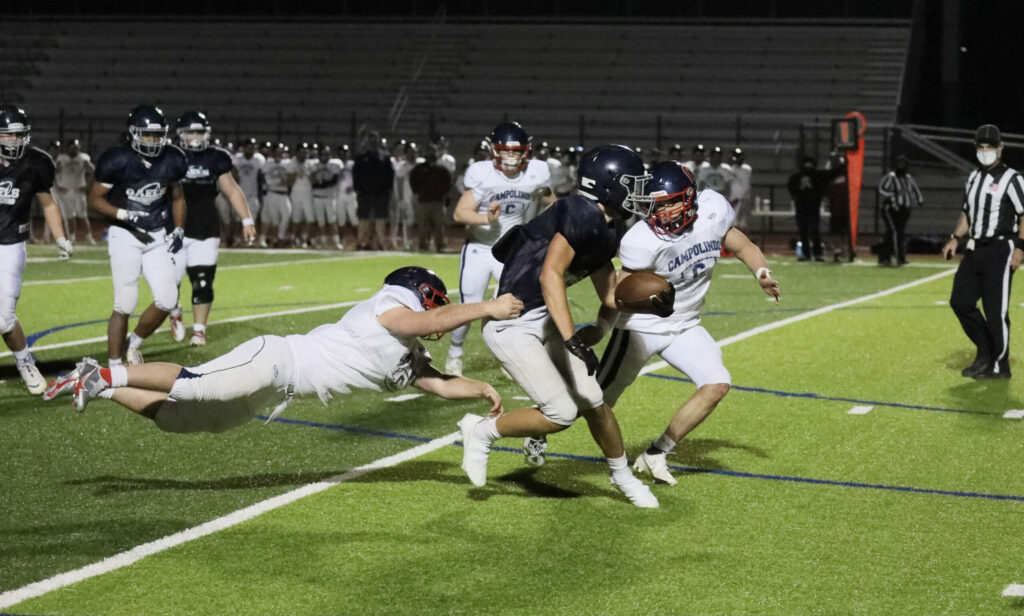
(65, 384)
(88, 387)
(474, 450)
(133, 356)
(198, 339)
(453, 366)
(177, 326)
(30, 374)
(656, 465)
(534, 450)
(635, 490)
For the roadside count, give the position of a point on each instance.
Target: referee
(989, 230)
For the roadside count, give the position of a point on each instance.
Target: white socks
(176, 311)
(455, 350)
(118, 376)
(664, 445)
(487, 430)
(619, 466)
(198, 327)
(134, 341)
(22, 355)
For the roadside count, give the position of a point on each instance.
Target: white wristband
(121, 213)
(247, 222)
(760, 273)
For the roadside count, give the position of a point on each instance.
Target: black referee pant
(985, 274)
(895, 235)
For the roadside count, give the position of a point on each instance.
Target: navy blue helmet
(427, 285)
(510, 148)
(614, 176)
(194, 130)
(15, 132)
(148, 130)
(673, 208)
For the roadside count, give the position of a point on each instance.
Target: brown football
(634, 292)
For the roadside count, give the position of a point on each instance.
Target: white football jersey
(740, 182)
(249, 171)
(345, 188)
(71, 172)
(357, 352)
(685, 261)
(303, 170)
(275, 173)
(717, 178)
(327, 175)
(514, 194)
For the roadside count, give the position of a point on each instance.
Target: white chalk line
(137, 553)
(123, 559)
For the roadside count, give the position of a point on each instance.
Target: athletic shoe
(453, 366)
(65, 384)
(177, 328)
(474, 450)
(534, 450)
(88, 387)
(977, 367)
(30, 374)
(198, 339)
(635, 490)
(656, 465)
(133, 356)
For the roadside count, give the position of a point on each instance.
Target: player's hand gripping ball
(645, 292)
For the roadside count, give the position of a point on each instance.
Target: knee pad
(125, 299)
(7, 318)
(166, 299)
(561, 409)
(202, 283)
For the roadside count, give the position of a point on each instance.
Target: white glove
(131, 216)
(64, 249)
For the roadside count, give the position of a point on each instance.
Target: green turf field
(787, 503)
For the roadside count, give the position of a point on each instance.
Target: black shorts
(372, 206)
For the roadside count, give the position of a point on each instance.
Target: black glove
(664, 302)
(577, 348)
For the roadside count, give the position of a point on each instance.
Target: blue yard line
(814, 396)
(685, 469)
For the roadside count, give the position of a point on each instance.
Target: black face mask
(901, 170)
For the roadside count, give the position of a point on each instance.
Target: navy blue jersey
(141, 183)
(524, 248)
(201, 188)
(19, 183)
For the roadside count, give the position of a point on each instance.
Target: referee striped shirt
(899, 191)
(993, 202)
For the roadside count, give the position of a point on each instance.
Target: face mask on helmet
(194, 139)
(510, 158)
(673, 214)
(14, 141)
(636, 202)
(148, 141)
(432, 298)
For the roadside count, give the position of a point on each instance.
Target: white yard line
(860, 410)
(137, 553)
(1014, 590)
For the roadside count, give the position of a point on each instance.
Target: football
(635, 292)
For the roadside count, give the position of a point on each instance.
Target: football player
(374, 346)
(248, 167)
(575, 238)
(74, 173)
(301, 169)
(681, 241)
(326, 177)
(277, 208)
(138, 187)
(25, 173)
(209, 174)
(403, 212)
(499, 194)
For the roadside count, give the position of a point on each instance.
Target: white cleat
(453, 366)
(177, 327)
(30, 374)
(474, 450)
(133, 356)
(198, 339)
(534, 450)
(65, 384)
(88, 387)
(656, 465)
(635, 490)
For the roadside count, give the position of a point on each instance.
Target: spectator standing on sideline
(807, 187)
(837, 192)
(372, 178)
(899, 194)
(989, 232)
(430, 182)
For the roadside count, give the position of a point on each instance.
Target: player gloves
(581, 350)
(175, 240)
(663, 304)
(132, 216)
(64, 249)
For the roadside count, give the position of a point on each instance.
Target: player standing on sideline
(248, 167)
(208, 175)
(990, 231)
(403, 207)
(138, 186)
(326, 176)
(681, 241)
(739, 189)
(301, 168)
(573, 239)
(74, 173)
(374, 346)
(499, 195)
(25, 173)
(346, 194)
(277, 207)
